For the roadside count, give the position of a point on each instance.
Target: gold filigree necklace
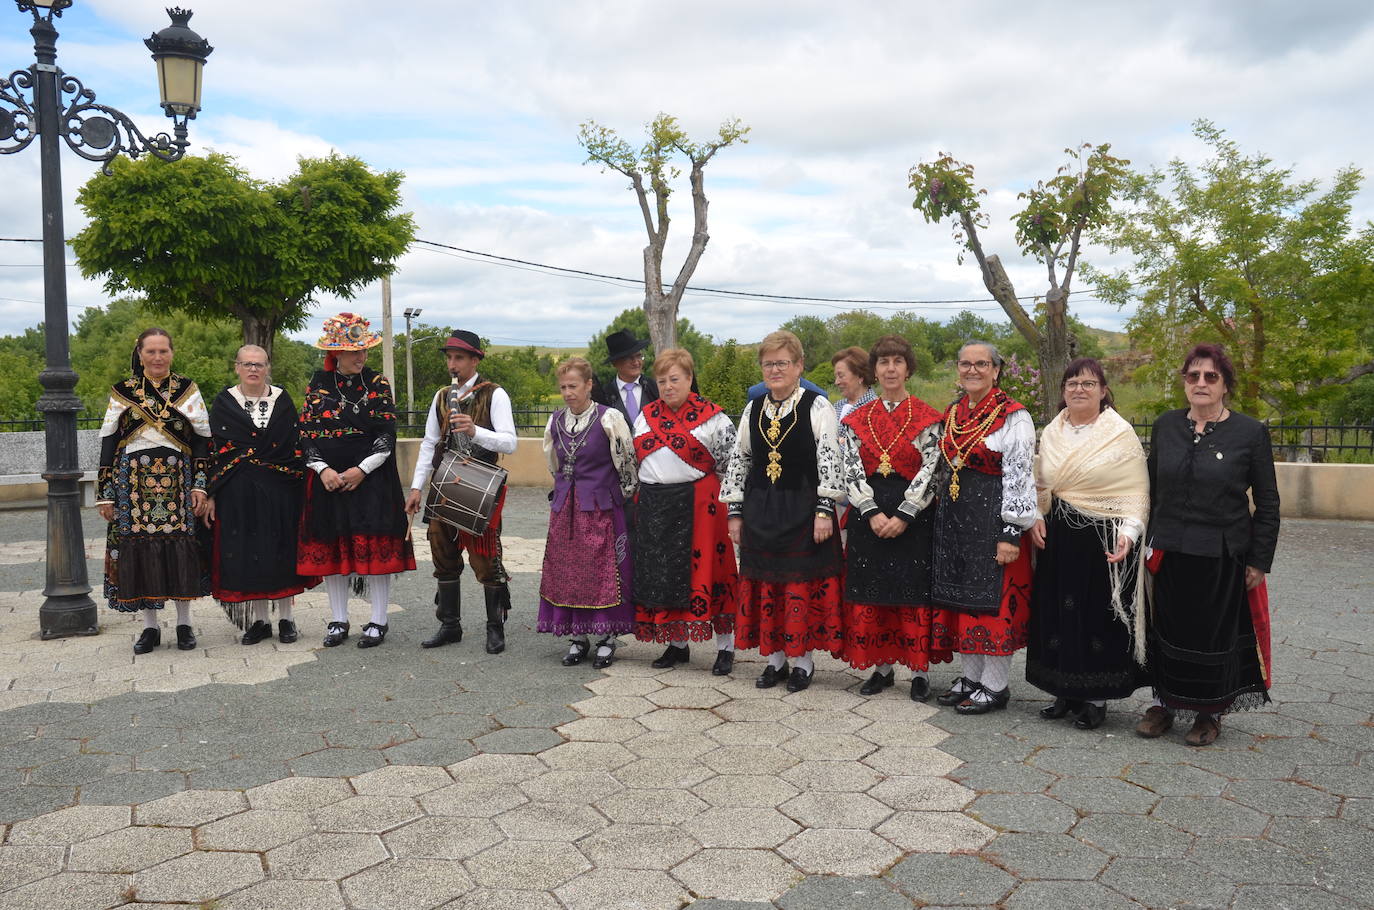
(885, 460)
(974, 432)
(774, 435)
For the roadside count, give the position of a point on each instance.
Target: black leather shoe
(769, 677)
(599, 662)
(878, 682)
(1062, 707)
(986, 701)
(498, 608)
(372, 641)
(335, 634)
(149, 640)
(186, 639)
(257, 632)
(287, 631)
(1090, 717)
(672, 656)
(920, 689)
(577, 653)
(799, 680)
(446, 635)
(958, 691)
(725, 663)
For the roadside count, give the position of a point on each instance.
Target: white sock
(1098, 704)
(606, 647)
(971, 667)
(337, 588)
(183, 612)
(776, 660)
(678, 643)
(884, 669)
(1159, 703)
(725, 641)
(919, 674)
(379, 586)
(150, 619)
(806, 663)
(285, 608)
(579, 644)
(260, 610)
(996, 671)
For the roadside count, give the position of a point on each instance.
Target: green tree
(727, 376)
(817, 339)
(652, 164)
(688, 337)
(518, 371)
(21, 360)
(202, 236)
(1238, 251)
(1050, 228)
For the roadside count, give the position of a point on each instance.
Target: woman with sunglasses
(1094, 498)
(1208, 640)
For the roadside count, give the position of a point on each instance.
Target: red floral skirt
(361, 554)
(793, 617)
(994, 634)
(890, 634)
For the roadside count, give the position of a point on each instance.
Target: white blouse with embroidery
(830, 485)
(663, 464)
(919, 492)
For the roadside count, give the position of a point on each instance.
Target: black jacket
(1198, 502)
(608, 393)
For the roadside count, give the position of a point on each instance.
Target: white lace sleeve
(922, 488)
(829, 470)
(550, 456)
(110, 424)
(855, 481)
(622, 450)
(741, 460)
(1018, 475)
(718, 435)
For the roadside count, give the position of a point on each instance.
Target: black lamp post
(60, 107)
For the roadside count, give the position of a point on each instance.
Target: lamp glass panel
(179, 79)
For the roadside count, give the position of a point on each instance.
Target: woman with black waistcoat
(1208, 617)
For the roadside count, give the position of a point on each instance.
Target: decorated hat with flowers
(348, 332)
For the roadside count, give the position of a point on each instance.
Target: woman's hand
(106, 510)
(735, 524)
(331, 480)
(822, 528)
(1253, 577)
(1123, 547)
(1037, 534)
(1007, 553)
(352, 478)
(198, 500)
(887, 527)
(208, 516)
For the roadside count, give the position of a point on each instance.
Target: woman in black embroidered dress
(255, 486)
(354, 523)
(782, 489)
(154, 443)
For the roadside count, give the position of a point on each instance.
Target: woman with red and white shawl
(981, 577)
(686, 584)
(1094, 499)
(890, 450)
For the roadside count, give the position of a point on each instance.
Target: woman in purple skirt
(585, 589)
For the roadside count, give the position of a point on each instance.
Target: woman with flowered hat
(354, 522)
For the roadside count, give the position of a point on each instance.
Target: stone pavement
(295, 777)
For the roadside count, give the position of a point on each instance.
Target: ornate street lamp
(57, 106)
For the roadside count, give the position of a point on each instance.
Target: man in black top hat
(481, 426)
(631, 390)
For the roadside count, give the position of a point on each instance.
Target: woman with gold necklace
(154, 443)
(782, 490)
(986, 501)
(890, 450)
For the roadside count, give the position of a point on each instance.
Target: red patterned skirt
(793, 617)
(356, 533)
(886, 634)
(994, 634)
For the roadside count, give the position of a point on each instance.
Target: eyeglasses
(979, 365)
(771, 365)
(251, 364)
(1193, 377)
(1086, 385)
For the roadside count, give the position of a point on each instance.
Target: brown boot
(1205, 730)
(1155, 723)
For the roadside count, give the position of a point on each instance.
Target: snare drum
(464, 492)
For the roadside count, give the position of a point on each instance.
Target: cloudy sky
(479, 105)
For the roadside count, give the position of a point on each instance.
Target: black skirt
(257, 511)
(1078, 648)
(892, 571)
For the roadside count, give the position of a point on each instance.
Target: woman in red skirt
(890, 449)
(784, 482)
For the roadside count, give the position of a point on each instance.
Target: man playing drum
(480, 427)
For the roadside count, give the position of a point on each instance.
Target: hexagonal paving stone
(751, 733)
(275, 895)
(677, 745)
(401, 780)
(21, 865)
(256, 830)
(902, 760)
(532, 865)
(550, 821)
(602, 729)
(602, 888)
(478, 799)
(1052, 856)
(1176, 780)
(836, 776)
(654, 807)
(1133, 835)
(825, 891)
(828, 747)
(742, 875)
(588, 756)
(69, 826)
(1023, 812)
(738, 827)
(367, 814)
(613, 706)
(129, 849)
(523, 740)
(931, 794)
(68, 891)
(745, 791)
(679, 720)
(1067, 896)
(840, 851)
(824, 698)
(567, 786)
(1261, 861)
(190, 808)
(638, 847)
(827, 722)
(896, 733)
(198, 877)
(442, 838)
(748, 760)
(407, 884)
(326, 856)
(934, 879)
(1140, 879)
(1210, 816)
(298, 793)
(1281, 797)
(1098, 794)
(896, 710)
(755, 710)
(651, 773)
(497, 769)
(935, 832)
(624, 685)
(836, 810)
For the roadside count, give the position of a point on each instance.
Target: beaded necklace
(573, 440)
(973, 431)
